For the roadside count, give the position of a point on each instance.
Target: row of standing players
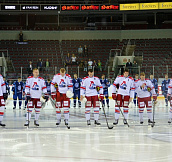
(90, 87)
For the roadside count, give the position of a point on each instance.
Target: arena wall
(78, 35)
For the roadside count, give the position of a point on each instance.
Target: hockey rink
(50, 143)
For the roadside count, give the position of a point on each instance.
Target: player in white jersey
(60, 84)
(90, 87)
(34, 88)
(169, 98)
(3, 95)
(144, 88)
(124, 95)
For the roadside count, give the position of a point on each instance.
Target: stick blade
(110, 127)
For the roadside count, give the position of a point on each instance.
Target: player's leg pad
(96, 113)
(87, 113)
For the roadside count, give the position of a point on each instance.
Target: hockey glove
(101, 97)
(169, 97)
(98, 89)
(24, 93)
(154, 98)
(117, 86)
(148, 89)
(56, 85)
(114, 96)
(28, 97)
(53, 95)
(46, 97)
(5, 95)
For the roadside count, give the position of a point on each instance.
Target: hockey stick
(153, 114)
(28, 114)
(43, 104)
(122, 113)
(54, 105)
(109, 127)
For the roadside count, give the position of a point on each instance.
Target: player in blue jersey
(17, 92)
(76, 90)
(164, 88)
(48, 85)
(155, 83)
(105, 83)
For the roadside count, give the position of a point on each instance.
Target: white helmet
(69, 94)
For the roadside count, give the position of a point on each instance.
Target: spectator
(85, 66)
(95, 65)
(81, 65)
(30, 68)
(21, 36)
(68, 60)
(85, 51)
(90, 64)
(99, 65)
(80, 50)
(135, 67)
(39, 65)
(74, 59)
(47, 65)
(129, 65)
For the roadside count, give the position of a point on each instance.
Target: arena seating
(21, 54)
(155, 52)
(97, 50)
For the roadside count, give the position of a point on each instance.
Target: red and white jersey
(2, 86)
(143, 92)
(35, 86)
(89, 85)
(170, 88)
(64, 83)
(126, 86)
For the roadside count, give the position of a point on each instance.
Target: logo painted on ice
(35, 86)
(92, 85)
(62, 83)
(123, 85)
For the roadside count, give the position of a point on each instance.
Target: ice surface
(50, 143)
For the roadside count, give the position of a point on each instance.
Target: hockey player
(60, 84)
(155, 83)
(7, 89)
(90, 87)
(135, 94)
(24, 96)
(170, 99)
(105, 83)
(48, 85)
(164, 88)
(35, 86)
(7, 86)
(124, 95)
(76, 90)
(3, 95)
(17, 92)
(144, 88)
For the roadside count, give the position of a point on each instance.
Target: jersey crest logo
(92, 85)
(123, 85)
(62, 83)
(35, 86)
(76, 85)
